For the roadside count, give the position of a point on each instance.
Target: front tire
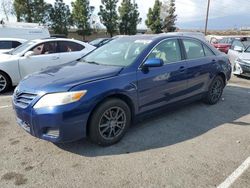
(215, 91)
(5, 82)
(109, 122)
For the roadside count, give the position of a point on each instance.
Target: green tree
(154, 21)
(32, 10)
(81, 15)
(169, 21)
(129, 18)
(109, 16)
(6, 7)
(60, 17)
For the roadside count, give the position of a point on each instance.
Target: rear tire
(109, 122)
(5, 82)
(215, 91)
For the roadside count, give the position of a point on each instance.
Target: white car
(8, 44)
(239, 56)
(242, 63)
(35, 55)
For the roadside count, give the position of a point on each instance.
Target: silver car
(239, 56)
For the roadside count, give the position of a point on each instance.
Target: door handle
(55, 58)
(182, 69)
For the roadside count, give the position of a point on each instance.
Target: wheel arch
(120, 96)
(223, 76)
(11, 83)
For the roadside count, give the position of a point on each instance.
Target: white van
(28, 31)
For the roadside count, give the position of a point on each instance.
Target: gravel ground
(193, 146)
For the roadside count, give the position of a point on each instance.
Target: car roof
(13, 39)
(55, 39)
(162, 36)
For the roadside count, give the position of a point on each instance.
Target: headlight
(56, 99)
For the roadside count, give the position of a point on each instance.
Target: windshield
(22, 47)
(248, 49)
(246, 43)
(119, 52)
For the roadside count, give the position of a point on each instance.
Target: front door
(162, 85)
(44, 55)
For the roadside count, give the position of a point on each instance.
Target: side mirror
(28, 54)
(238, 49)
(153, 62)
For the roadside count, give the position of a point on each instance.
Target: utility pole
(208, 6)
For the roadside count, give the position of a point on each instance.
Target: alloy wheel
(3, 82)
(112, 123)
(216, 90)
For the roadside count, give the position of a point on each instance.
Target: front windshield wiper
(92, 62)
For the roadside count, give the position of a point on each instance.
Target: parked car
(242, 63)
(98, 95)
(238, 47)
(100, 42)
(8, 44)
(224, 44)
(213, 38)
(35, 55)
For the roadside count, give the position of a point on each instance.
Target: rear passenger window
(208, 52)
(70, 46)
(5, 44)
(193, 49)
(168, 51)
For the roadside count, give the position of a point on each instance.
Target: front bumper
(241, 69)
(59, 124)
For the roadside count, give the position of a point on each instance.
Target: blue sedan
(99, 95)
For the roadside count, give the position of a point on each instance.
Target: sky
(191, 13)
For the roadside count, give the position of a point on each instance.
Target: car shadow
(171, 126)
(9, 92)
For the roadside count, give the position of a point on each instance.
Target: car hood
(64, 77)
(245, 57)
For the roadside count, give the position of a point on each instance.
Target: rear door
(199, 60)
(70, 51)
(162, 85)
(45, 55)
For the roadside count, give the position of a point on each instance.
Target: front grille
(23, 99)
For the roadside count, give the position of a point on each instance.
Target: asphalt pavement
(195, 145)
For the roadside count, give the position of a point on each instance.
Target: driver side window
(168, 51)
(44, 48)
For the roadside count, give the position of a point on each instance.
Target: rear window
(207, 50)
(66, 46)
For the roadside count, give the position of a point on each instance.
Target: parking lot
(193, 146)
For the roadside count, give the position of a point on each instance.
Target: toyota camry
(99, 95)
